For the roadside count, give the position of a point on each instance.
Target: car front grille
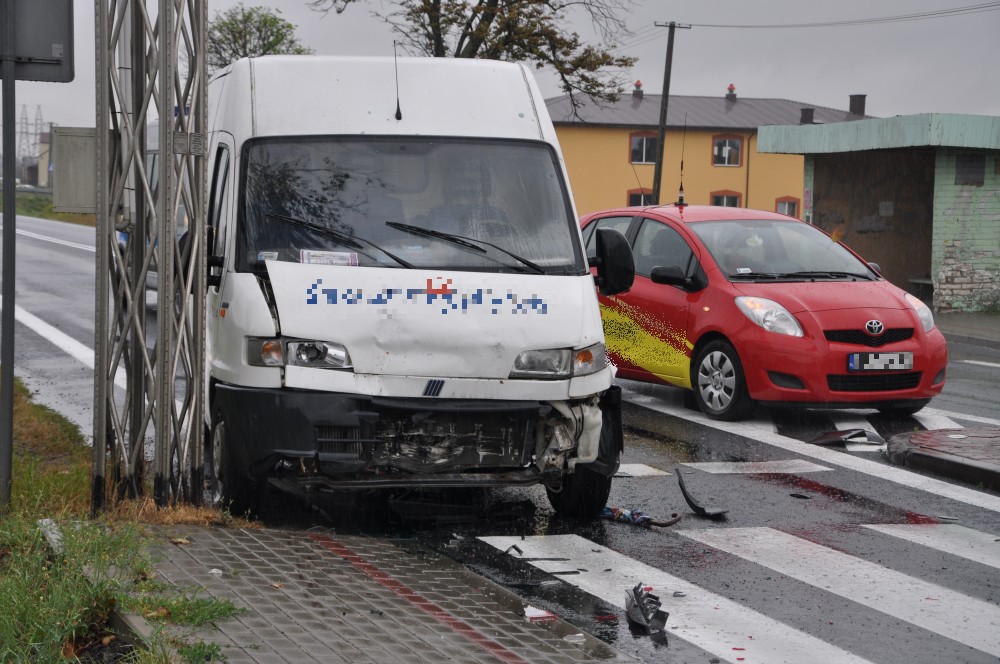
(873, 382)
(862, 338)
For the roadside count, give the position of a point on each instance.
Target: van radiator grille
(340, 440)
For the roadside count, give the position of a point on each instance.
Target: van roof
(312, 95)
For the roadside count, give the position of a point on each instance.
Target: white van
(398, 293)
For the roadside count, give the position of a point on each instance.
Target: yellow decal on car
(646, 342)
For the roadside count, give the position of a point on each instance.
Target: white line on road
(752, 467)
(935, 420)
(965, 619)
(55, 240)
(951, 538)
(756, 430)
(639, 470)
(962, 416)
(981, 363)
(702, 618)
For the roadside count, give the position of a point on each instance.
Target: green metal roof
(902, 131)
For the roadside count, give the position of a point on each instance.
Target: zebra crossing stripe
(931, 421)
(937, 609)
(752, 467)
(762, 431)
(950, 538)
(704, 619)
(639, 470)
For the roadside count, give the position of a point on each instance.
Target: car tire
(904, 409)
(228, 488)
(720, 387)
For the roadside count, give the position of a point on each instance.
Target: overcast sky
(941, 65)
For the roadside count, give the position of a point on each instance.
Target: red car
(744, 307)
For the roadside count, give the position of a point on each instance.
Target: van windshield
(489, 205)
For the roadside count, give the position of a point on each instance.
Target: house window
(787, 205)
(970, 169)
(726, 198)
(727, 150)
(640, 197)
(643, 148)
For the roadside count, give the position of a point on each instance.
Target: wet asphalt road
(869, 594)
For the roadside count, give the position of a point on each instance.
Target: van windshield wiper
(350, 241)
(461, 240)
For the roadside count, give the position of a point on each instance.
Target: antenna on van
(680, 194)
(395, 64)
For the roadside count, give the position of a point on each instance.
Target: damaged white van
(398, 293)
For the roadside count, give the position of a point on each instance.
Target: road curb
(922, 451)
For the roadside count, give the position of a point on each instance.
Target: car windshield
(777, 249)
(486, 205)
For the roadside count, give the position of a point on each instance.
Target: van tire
(228, 488)
(583, 495)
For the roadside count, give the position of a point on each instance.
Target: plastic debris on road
(636, 518)
(642, 608)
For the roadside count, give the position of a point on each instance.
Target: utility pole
(664, 99)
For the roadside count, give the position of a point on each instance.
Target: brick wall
(965, 261)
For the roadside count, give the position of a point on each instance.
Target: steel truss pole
(150, 61)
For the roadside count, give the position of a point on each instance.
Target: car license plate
(879, 361)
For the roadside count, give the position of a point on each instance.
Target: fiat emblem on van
(874, 327)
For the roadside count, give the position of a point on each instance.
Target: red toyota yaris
(745, 306)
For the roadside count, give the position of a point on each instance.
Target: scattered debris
(215, 571)
(575, 638)
(536, 615)
(680, 593)
(180, 541)
(800, 495)
(846, 436)
(636, 518)
(643, 611)
(706, 512)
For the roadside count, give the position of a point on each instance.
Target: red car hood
(829, 295)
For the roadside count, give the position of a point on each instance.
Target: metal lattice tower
(23, 140)
(36, 134)
(150, 61)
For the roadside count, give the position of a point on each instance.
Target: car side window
(659, 245)
(620, 224)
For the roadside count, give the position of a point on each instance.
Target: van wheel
(227, 488)
(583, 495)
(720, 387)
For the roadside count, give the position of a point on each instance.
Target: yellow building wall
(601, 174)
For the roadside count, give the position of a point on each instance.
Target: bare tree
(516, 30)
(241, 32)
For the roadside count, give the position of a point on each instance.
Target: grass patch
(55, 605)
(40, 205)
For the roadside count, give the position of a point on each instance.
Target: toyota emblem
(874, 327)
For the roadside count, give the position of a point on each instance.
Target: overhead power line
(646, 34)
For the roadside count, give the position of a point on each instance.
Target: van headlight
(923, 312)
(769, 315)
(297, 353)
(556, 363)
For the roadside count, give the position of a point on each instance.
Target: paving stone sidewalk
(322, 597)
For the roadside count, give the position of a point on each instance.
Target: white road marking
(965, 619)
(639, 470)
(702, 618)
(981, 363)
(936, 420)
(55, 240)
(951, 538)
(962, 416)
(750, 467)
(754, 431)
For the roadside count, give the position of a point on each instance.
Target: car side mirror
(876, 267)
(614, 262)
(670, 275)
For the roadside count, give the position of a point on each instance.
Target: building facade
(917, 194)
(711, 147)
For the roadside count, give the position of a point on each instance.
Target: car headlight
(769, 315)
(297, 353)
(554, 363)
(923, 312)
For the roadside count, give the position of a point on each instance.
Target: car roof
(694, 213)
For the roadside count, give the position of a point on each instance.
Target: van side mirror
(214, 263)
(614, 262)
